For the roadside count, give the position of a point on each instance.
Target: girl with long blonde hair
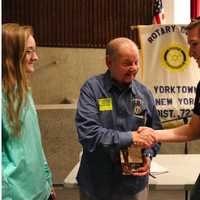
(25, 172)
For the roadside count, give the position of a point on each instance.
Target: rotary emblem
(175, 57)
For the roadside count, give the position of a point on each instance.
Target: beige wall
(176, 14)
(60, 72)
(59, 138)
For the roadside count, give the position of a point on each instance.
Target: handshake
(144, 137)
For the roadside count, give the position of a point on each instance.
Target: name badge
(105, 104)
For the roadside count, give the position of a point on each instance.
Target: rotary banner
(167, 70)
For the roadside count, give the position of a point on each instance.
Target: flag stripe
(158, 12)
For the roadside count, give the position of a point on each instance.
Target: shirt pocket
(106, 119)
(135, 121)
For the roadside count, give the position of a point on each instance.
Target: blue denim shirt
(106, 116)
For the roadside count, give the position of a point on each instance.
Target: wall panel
(78, 23)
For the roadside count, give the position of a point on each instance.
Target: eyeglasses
(30, 51)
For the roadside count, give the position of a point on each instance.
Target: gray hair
(114, 45)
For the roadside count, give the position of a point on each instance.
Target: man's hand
(145, 129)
(144, 138)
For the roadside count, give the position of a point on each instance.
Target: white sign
(167, 69)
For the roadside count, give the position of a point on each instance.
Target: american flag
(158, 12)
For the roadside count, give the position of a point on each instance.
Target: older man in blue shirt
(110, 109)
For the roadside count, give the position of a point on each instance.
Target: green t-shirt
(25, 172)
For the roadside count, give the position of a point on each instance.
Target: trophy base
(132, 167)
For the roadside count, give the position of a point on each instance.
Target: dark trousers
(143, 195)
(195, 193)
